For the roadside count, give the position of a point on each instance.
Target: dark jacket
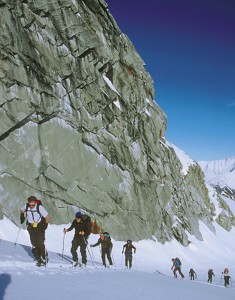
(128, 248)
(78, 226)
(106, 243)
(210, 273)
(191, 272)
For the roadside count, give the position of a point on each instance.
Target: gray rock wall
(80, 128)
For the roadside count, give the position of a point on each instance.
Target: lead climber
(37, 223)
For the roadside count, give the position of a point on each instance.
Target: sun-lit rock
(80, 128)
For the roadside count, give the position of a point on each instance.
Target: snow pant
(191, 276)
(226, 280)
(37, 238)
(104, 252)
(209, 279)
(128, 259)
(179, 270)
(79, 241)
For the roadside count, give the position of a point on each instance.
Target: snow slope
(151, 275)
(185, 160)
(59, 281)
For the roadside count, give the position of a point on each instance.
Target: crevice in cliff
(89, 144)
(15, 127)
(49, 117)
(86, 52)
(84, 191)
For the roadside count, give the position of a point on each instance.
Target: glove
(45, 225)
(22, 218)
(91, 246)
(122, 252)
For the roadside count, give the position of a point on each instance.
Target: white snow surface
(109, 83)
(150, 278)
(219, 172)
(118, 104)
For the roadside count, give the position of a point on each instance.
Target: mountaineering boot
(39, 262)
(75, 263)
(43, 262)
(83, 265)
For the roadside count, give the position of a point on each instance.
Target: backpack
(95, 228)
(107, 235)
(177, 262)
(87, 222)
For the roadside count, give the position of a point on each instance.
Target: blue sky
(189, 50)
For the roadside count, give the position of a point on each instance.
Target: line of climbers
(176, 267)
(37, 223)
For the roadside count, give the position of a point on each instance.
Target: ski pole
(113, 259)
(63, 247)
(16, 241)
(86, 242)
(221, 278)
(45, 252)
(92, 254)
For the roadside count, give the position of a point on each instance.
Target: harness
(32, 213)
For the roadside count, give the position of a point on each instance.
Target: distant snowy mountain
(219, 166)
(221, 175)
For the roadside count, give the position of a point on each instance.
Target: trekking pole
(18, 233)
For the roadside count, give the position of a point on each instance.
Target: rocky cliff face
(80, 128)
